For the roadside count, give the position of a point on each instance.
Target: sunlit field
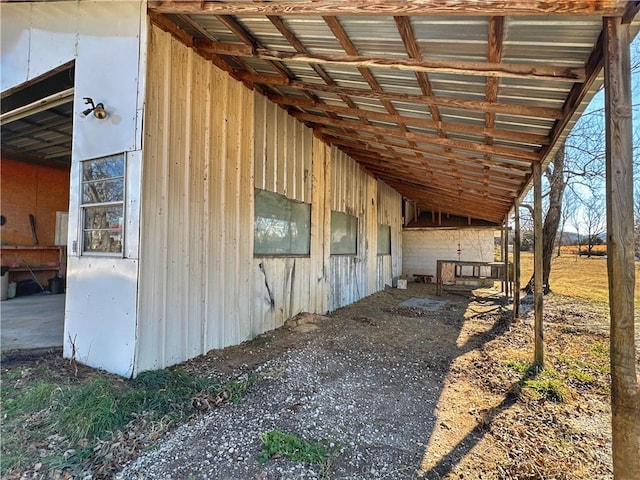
(577, 276)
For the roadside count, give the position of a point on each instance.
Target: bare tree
(555, 176)
(593, 220)
(568, 207)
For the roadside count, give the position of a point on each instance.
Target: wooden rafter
(512, 135)
(449, 135)
(508, 152)
(516, 165)
(484, 69)
(461, 103)
(397, 8)
(434, 173)
(411, 46)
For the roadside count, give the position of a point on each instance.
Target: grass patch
(600, 349)
(276, 443)
(81, 414)
(580, 277)
(582, 376)
(518, 365)
(539, 384)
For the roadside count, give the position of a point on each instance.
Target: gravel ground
(403, 385)
(376, 405)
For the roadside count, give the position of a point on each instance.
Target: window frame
(283, 254)
(86, 206)
(357, 235)
(388, 232)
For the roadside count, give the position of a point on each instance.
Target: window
(103, 205)
(344, 234)
(281, 226)
(384, 239)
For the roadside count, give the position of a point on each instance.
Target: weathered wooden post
(625, 394)
(516, 259)
(537, 264)
(505, 248)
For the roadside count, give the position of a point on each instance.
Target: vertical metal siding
(284, 152)
(390, 213)
(196, 239)
(208, 143)
(352, 187)
(285, 155)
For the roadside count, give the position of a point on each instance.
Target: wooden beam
(494, 55)
(537, 269)
(433, 166)
(405, 29)
(452, 182)
(510, 165)
(464, 104)
(484, 69)
(396, 8)
(625, 391)
(453, 204)
(421, 137)
(512, 135)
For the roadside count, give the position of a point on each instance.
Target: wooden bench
(422, 278)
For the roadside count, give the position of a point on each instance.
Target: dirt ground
(429, 389)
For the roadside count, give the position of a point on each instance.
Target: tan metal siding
(390, 213)
(208, 143)
(353, 192)
(196, 243)
(284, 152)
(290, 161)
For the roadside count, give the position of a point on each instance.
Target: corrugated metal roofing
(451, 102)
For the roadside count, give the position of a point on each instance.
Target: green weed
(546, 385)
(582, 376)
(276, 443)
(83, 413)
(518, 365)
(600, 349)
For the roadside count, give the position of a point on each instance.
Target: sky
(593, 141)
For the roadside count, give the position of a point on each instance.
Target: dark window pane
(281, 226)
(384, 239)
(344, 234)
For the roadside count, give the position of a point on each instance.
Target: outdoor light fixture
(98, 110)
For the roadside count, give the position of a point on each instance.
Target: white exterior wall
(422, 248)
(103, 38)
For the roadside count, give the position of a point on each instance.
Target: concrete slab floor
(31, 322)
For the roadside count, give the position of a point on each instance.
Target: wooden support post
(537, 264)
(625, 391)
(505, 249)
(516, 260)
(502, 255)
